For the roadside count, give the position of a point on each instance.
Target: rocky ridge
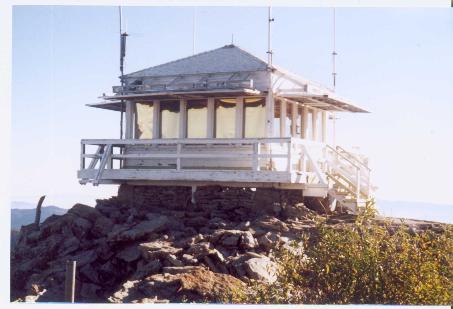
(153, 245)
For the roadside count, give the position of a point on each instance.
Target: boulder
(145, 269)
(261, 269)
(158, 249)
(129, 254)
(102, 226)
(247, 241)
(85, 212)
(140, 230)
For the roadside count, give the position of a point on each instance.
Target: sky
(395, 62)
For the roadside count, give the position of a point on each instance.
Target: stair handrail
(343, 156)
(353, 157)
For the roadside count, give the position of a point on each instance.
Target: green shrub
(362, 263)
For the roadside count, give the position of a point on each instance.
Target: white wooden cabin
(225, 117)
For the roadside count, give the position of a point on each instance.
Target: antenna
(334, 53)
(123, 36)
(232, 39)
(194, 19)
(269, 47)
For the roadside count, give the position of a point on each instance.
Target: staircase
(349, 179)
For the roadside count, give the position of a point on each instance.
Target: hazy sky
(397, 63)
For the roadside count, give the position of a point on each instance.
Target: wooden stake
(38, 212)
(70, 281)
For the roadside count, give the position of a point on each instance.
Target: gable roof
(226, 59)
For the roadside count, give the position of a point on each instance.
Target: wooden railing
(351, 169)
(275, 154)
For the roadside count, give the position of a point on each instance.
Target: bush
(362, 263)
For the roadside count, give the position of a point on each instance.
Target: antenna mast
(269, 47)
(123, 36)
(334, 53)
(194, 19)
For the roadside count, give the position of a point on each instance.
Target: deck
(289, 163)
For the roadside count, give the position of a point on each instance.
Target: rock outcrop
(151, 244)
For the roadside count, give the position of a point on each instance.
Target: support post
(70, 281)
(38, 212)
(324, 126)
(129, 119)
(239, 117)
(156, 120)
(211, 118)
(182, 118)
(283, 112)
(293, 119)
(270, 111)
(304, 122)
(314, 123)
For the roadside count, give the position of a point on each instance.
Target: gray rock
(173, 260)
(129, 254)
(180, 270)
(90, 273)
(69, 245)
(261, 269)
(84, 211)
(158, 250)
(200, 249)
(230, 240)
(145, 269)
(102, 226)
(89, 291)
(247, 241)
(189, 259)
(140, 230)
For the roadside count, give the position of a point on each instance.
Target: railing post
(358, 184)
(82, 156)
(178, 158)
(289, 165)
(256, 153)
(70, 281)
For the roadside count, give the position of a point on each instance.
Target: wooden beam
(156, 119)
(211, 118)
(239, 117)
(182, 118)
(324, 126)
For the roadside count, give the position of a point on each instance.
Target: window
(197, 119)
(144, 121)
(169, 119)
(225, 118)
(254, 117)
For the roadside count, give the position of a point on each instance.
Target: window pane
(225, 118)
(169, 119)
(144, 121)
(197, 119)
(255, 117)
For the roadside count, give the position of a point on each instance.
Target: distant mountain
(415, 210)
(21, 216)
